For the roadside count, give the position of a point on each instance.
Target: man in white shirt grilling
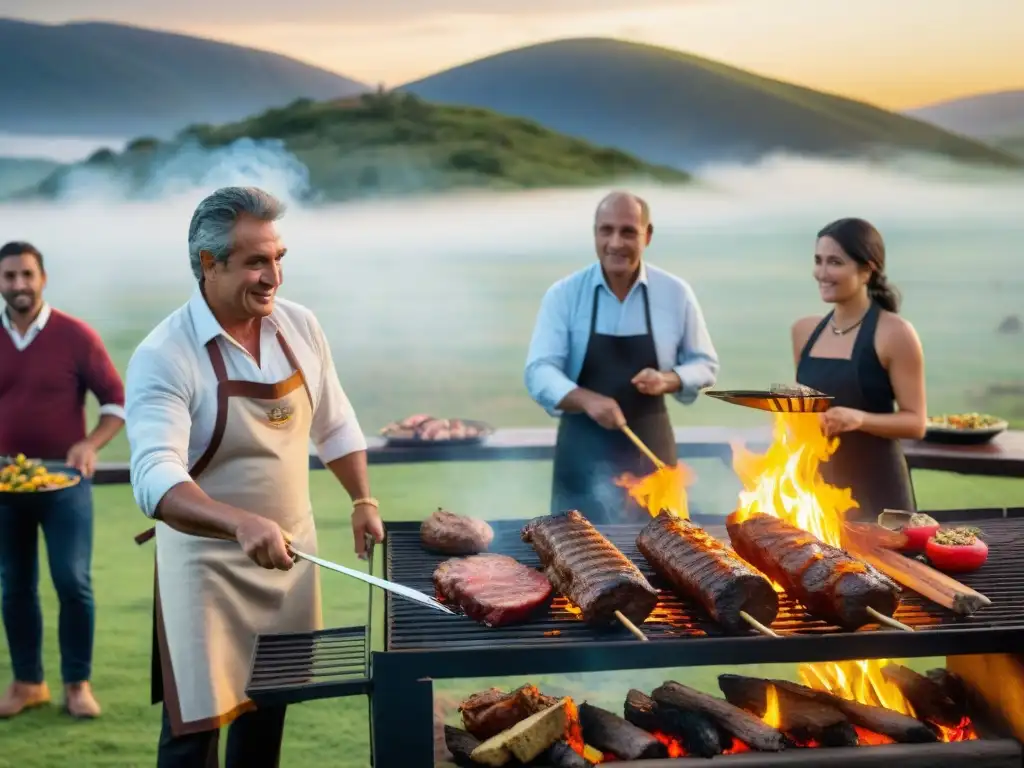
(222, 400)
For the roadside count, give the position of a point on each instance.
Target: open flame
(860, 681)
(665, 488)
(786, 480)
(772, 712)
(863, 682)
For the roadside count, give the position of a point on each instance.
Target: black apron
(589, 457)
(873, 468)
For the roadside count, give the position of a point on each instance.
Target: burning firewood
(461, 745)
(696, 732)
(561, 755)
(752, 731)
(611, 733)
(802, 719)
(528, 738)
(895, 725)
(952, 685)
(930, 702)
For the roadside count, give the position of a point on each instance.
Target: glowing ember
(663, 489)
(786, 482)
(675, 749)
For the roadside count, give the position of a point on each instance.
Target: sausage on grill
(828, 582)
(588, 570)
(699, 566)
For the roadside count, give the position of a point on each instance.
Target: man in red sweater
(47, 362)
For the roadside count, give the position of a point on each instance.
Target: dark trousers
(66, 523)
(254, 741)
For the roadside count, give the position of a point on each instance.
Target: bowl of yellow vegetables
(22, 479)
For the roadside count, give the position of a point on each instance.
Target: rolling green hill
(374, 144)
(1014, 144)
(675, 109)
(17, 173)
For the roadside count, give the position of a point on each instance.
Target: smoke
(429, 301)
(183, 169)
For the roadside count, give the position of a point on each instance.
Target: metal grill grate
(289, 668)
(412, 627)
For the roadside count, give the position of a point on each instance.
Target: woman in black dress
(869, 359)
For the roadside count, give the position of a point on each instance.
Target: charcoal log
(610, 733)
(752, 731)
(930, 701)
(952, 685)
(696, 732)
(461, 744)
(561, 755)
(898, 727)
(803, 720)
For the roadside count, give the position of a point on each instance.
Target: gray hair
(213, 223)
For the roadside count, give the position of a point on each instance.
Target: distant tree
(475, 159)
(101, 157)
(143, 144)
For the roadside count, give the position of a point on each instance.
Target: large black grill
(414, 627)
(421, 644)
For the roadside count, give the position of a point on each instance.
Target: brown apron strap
(217, 359)
(294, 362)
(145, 536)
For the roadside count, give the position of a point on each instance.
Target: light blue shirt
(562, 332)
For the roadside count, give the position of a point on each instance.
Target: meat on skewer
(588, 569)
(699, 566)
(827, 581)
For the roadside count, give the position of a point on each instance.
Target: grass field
(335, 732)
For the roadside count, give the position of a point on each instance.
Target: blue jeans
(66, 522)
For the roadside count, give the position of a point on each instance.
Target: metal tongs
(390, 586)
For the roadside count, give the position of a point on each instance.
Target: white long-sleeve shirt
(562, 332)
(171, 391)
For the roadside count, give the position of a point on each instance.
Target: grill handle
(370, 548)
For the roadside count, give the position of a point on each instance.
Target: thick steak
(699, 566)
(827, 581)
(589, 570)
(492, 589)
(452, 534)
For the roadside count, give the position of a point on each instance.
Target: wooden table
(1003, 457)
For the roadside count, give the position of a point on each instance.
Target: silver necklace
(843, 331)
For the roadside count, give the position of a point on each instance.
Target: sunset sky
(894, 53)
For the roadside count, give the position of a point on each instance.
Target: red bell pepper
(917, 538)
(957, 551)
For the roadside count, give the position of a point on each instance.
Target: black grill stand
(423, 645)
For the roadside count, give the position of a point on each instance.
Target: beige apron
(211, 600)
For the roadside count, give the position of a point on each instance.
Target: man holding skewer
(223, 400)
(610, 341)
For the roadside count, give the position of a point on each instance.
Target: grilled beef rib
(699, 566)
(589, 570)
(827, 581)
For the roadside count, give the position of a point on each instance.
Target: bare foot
(22, 696)
(80, 702)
